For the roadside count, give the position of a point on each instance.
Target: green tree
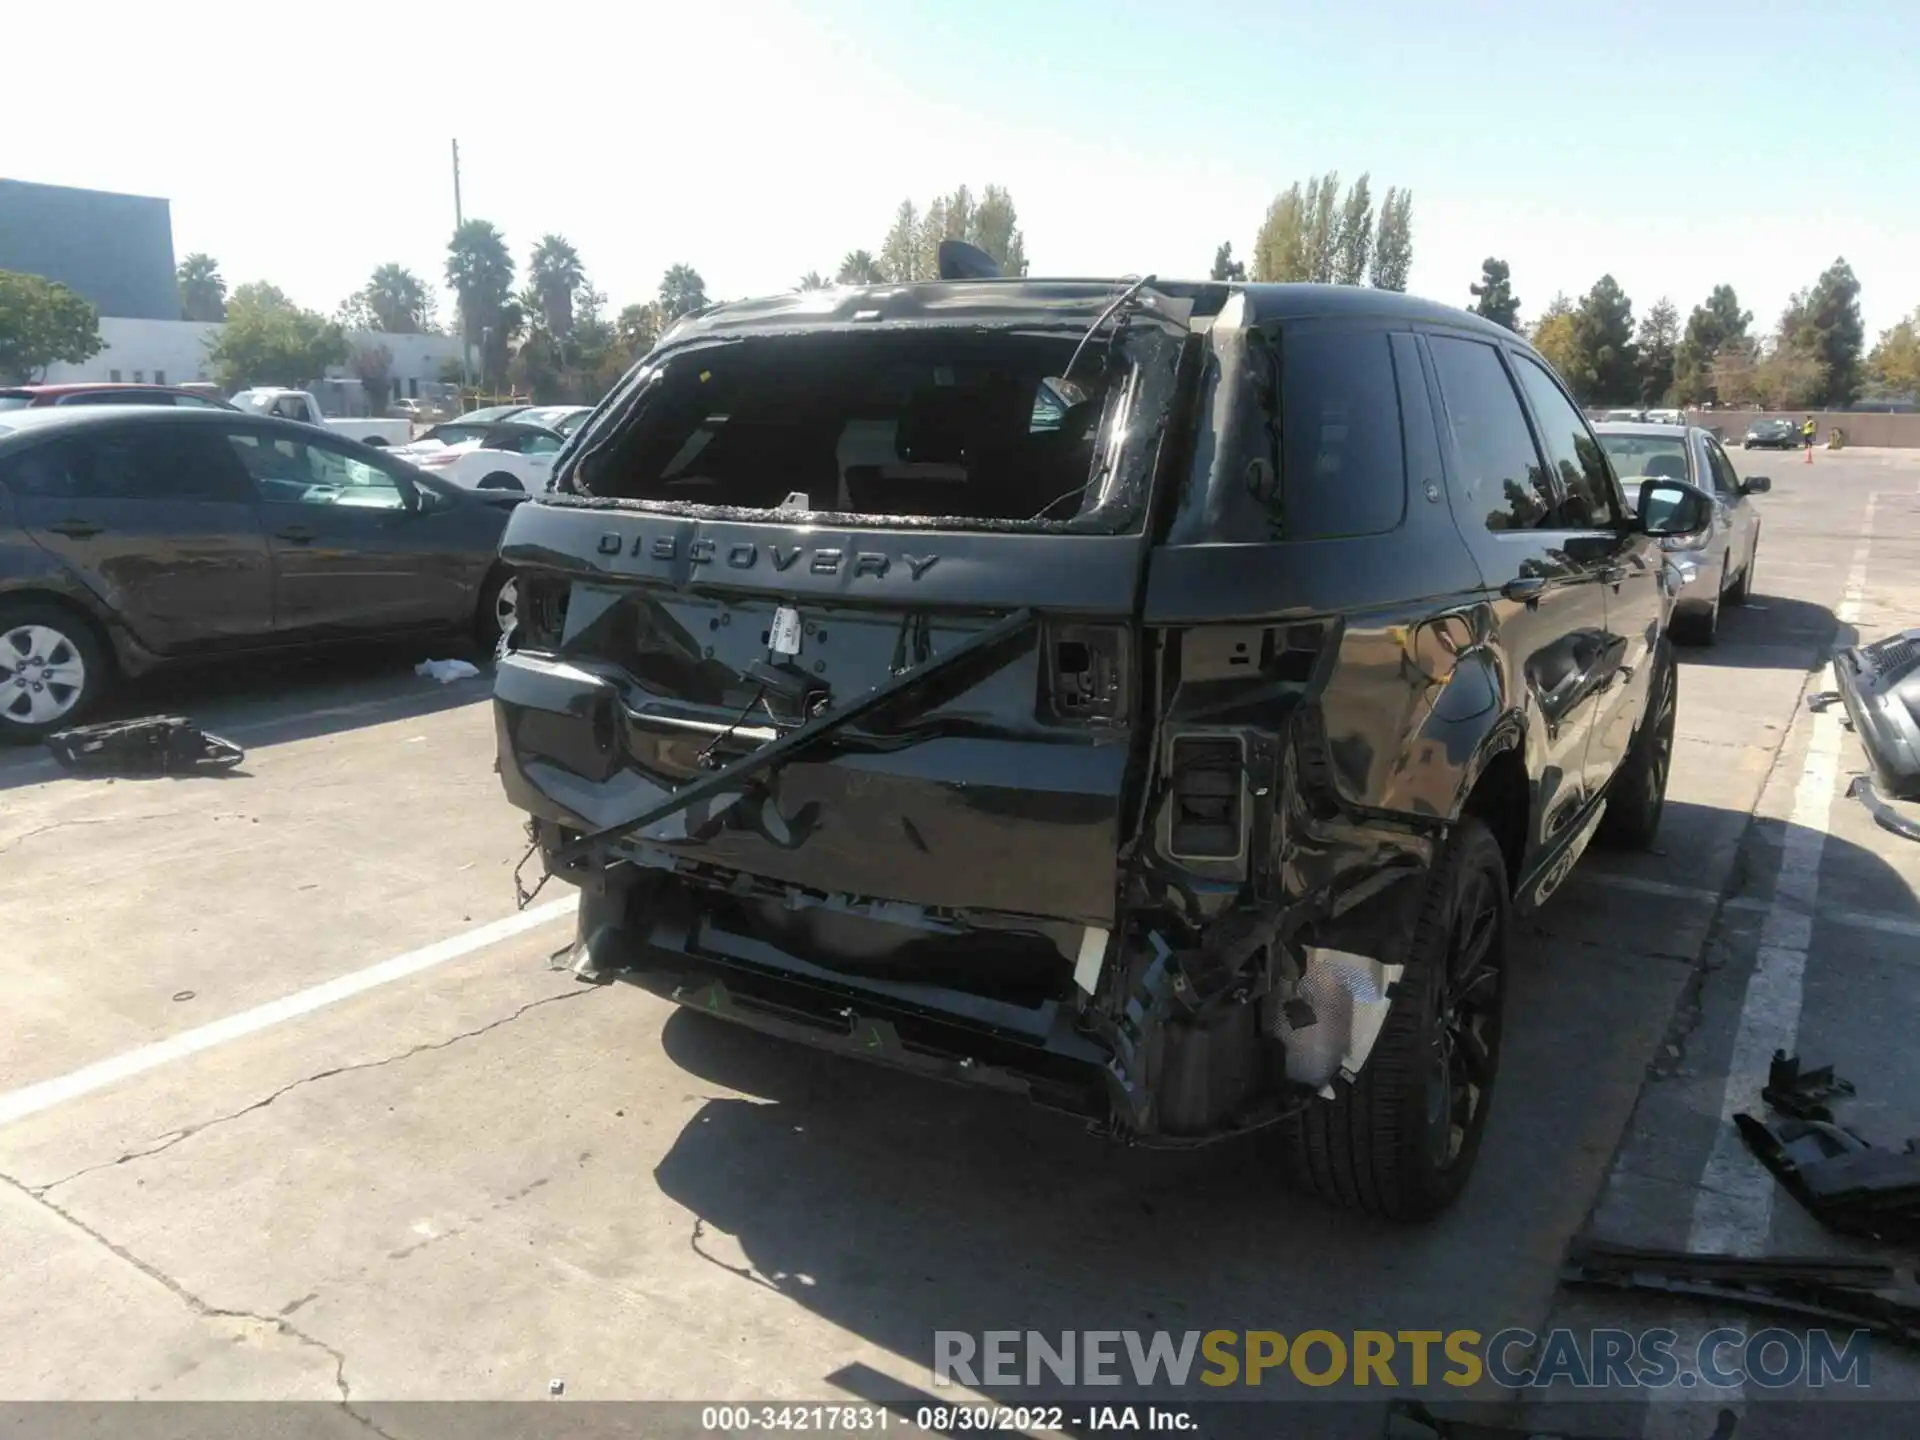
(259, 295)
(268, 340)
(933, 229)
(1353, 246)
(1280, 245)
(1793, 374)
(1733, 378)
(1393, 241)
(43, 323)
(1709, 328)
(682, 292)
(1225, 267)
(396, 301)
(1553, 336)
(994, 226)
(1825, 323)
(373, 365)
(1606, 364)
(1658, 343)
(900, 251)
(813, 280)
(638, 329)
(480, 270)
(1323, 227)
(858, 267)
(1894, 365)
(556, 274)
(1495, 299)
(203, 294)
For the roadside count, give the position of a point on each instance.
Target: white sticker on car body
(783, 637)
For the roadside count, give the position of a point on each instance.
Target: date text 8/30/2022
(944, 1419)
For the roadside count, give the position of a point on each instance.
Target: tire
(378, 442)
(1700, 627)
(501, 480)
(53, 670)
(493, 620)
(1637, 794)
(1400, 1142)
(1743, 587)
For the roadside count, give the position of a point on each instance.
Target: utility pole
(466, 359)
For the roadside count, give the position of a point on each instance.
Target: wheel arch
(120, 649)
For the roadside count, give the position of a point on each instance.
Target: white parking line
(33, 1099)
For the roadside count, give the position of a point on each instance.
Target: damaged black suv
(1155, 699)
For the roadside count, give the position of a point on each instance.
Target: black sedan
(132, 538)
(1771, 435)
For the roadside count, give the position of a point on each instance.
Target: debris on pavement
(1880, 685)
(1802, 1093)
(446, 671)
(153, 745)
(1865, 1293)
(1848, 1185)
(556, 1387)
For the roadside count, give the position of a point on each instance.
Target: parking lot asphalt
(293, 1105)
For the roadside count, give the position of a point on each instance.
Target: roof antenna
(961, 261)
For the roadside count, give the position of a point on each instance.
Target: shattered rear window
(964, 427)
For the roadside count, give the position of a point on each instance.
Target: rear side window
(1575, 453)
(38, 474)
(1343, 463)
(159, 463)
(118, 397)
(1499, 480)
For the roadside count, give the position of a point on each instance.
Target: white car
(563, 420)
(504, 456)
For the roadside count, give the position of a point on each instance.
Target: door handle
(75, 529)
(1526, 587)
(295, 534)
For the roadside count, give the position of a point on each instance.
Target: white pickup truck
(299, 405)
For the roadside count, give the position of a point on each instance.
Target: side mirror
(1755, 485)
(1673, 509)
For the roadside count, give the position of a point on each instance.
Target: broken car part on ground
(156, 745)
(1152, 699)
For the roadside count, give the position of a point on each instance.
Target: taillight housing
(1085, 673)
(1206, 804)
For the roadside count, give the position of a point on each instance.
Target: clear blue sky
(1674, 145)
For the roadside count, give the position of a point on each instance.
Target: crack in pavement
(277, 1323)
(26, 835)
(39, 1192)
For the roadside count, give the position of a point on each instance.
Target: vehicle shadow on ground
(894, 1206)
(1758, 635)
(275, 701)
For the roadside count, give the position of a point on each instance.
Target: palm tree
(203, 294)
(556, 273)
(481, 273)
(858, 267)
(682, 292)
(813, 280)
(397, 300)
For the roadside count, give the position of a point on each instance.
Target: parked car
(132, 538)
(507, 456)
(1718, 563)
(26, 397)
(1177, 753)
(1771, 435)
(562, 419)
(1666, 417)
(415, 411)
(300, 405)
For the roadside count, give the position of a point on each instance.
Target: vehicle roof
(53, 418)
(86, 387)
(1063, 303)
(1647, 429)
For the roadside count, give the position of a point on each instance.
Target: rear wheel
(498, 613)
(52, 670)
(1401, 1140)
(1637, 794)
(501, 480)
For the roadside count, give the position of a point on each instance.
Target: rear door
(158, 521)
(1624, 565)
(355, 553)
(1549, 604)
